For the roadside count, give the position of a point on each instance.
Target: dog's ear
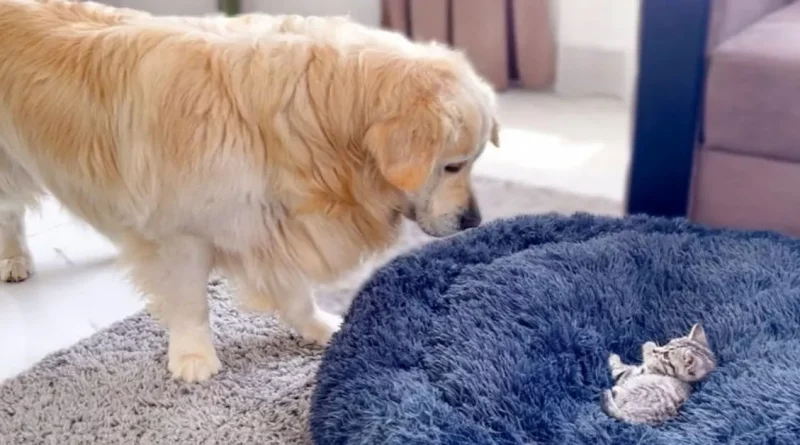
(495, 137)
(404, 150)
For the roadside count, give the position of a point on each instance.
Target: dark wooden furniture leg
(672, 61)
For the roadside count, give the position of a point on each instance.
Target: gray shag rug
(113, 388)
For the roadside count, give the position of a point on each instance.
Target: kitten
(653, 392)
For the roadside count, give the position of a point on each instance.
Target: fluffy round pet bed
(501, 335)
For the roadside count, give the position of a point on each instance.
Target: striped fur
(653, 392)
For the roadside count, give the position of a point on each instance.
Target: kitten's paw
(607, 403)
(15, 269)
(648, 347)
(614, 361)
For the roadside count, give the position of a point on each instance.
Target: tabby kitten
(653, 392)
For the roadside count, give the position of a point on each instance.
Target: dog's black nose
(471, 218)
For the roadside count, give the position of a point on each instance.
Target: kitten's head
(688, 358)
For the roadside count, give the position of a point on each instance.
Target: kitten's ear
(698, 334)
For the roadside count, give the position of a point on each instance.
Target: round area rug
(501, 336)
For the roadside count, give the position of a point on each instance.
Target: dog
(279, 150)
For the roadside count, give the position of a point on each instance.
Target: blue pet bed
(501, 335)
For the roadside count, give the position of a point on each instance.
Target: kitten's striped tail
(608, 406)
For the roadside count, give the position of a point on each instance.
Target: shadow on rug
(501, 336)
(114, 387)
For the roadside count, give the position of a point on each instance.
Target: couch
(746, 169)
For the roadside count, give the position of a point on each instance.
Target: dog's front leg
(290, 295)
(301, 312)
(174, 274)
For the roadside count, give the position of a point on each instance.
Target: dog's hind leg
(17, 191)
(15, 258)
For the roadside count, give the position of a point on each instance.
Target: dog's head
(439, 117)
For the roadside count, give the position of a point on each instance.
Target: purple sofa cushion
(730, 17)
(753, 89)
(744, 192)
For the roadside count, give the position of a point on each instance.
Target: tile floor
(575, 145)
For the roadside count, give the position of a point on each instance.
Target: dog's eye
(454, 168)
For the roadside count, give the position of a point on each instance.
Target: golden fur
(279, 149)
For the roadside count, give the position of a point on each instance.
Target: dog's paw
(15, 269)
(194, 367)
(321, 327)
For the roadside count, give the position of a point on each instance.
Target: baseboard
(171, 7)
(367, 12)
(595, 71)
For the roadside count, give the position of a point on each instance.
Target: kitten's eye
(454, 168)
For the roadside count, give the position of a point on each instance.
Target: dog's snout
(471, 218)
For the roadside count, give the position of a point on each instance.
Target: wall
(168, 7)
(364, 11)
(597, 46)
(596, 39)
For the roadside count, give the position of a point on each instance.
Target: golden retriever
(279, 150)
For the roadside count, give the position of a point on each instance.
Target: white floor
(575, 145)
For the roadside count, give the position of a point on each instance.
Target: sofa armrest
(730, 17)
